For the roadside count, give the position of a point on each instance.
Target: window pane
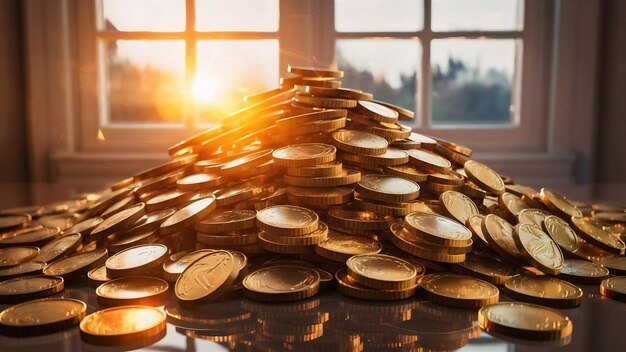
(388, 68)
(378, 15)
(479, 15)
(143, 15)
(237, 15)
(144, 80)
(228, 70)
(473, 80)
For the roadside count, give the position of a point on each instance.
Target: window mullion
(425, 84)
(190, 109)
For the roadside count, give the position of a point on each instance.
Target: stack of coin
(290, 229)
(229, 229)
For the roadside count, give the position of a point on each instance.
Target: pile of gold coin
(311, 187)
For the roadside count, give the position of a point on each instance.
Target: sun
(204, 89)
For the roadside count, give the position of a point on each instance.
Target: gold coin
(451, 155)
(241, 192)
(136, 261)
(429, 161)
(382, 271)
(559, 205)
(319, 196)
(118, 222)
(287, 220)
(15, 255)
(172, 269)
(405, 144)
(459, 290)
(131, 240)
(85, 226)
(13, 222)
(132, 290)
(188, 216)
(524, 320)
(326, 82)
(165, 167)
(474, 223)
(615, 288)
(391, 157)
(511, 205)
(123, 326)
(76, 265)
(328, 169)
(321, 114)
(151, 221)
(246, 162)
(198, 182)
(387, 188)
(354, 219)
(28, 288)
(596, 235)
(314, 72)
(358, 142)
(124, 203)
(343, 93)
(346, 177)
(97, 276)
(283, 283)
(304, 154)
(425, 141)
(349, 287)
(42, 316)
(29, 236)
(227, 220)
(544, 290)
(487, 269)
(499, 234)
(228, 239)
(437, 229)
(255, 98)
(459, 206)
(582, 271)
(324, 102)
(338, 247)
(404, 114)
(207, 278)
(294, 244)
(616, 265)
(376, 111)
(407, 171)
(520, 190)
(484, 177)
(24, 269)
(538, 248)
(618, 217)
(453, 178)
(389, 209)
(532, 216)
(455, 147)
(32, 210)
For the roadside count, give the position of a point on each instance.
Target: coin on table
(97, 276)
(349, 287)
(304, 154)
(42, 316)
(524, 320)
(246, 162)
(418, 247)
(172, 269)
(437, 229)
(359, 220)
(386, 188)
(376, 111)
(474, 223)
(561, 233)
(123, 325)
(282, 283)
(28, 288)
(85, 227)
(487, 269)
(544, 290)
(199, 182)
(459, 206)
(207, 278)
(131, 240)
(188, 216)
(614, 287)
(538, 248)
(358, 142)
(428, 161)
(499, 233)
(16, 255)
(23, 269)
(381, 271)
(582, 271)
(484, 177)
(132, 290)
(227, 220)
(136, 261)
(459, 290)
(287, 220)
(76, 265)
(13, 222)
(511, 205)
(533, 216)
(616, 265)
(29, 236)
(59, 247)
(558, 204)
(593, 233)
(118, 222)
(338, 247)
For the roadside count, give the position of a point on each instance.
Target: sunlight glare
(204, 89)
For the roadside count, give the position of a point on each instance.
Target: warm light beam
(204, 89)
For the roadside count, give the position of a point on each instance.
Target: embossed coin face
(488, 269)
(351, 245)
(525, 320)
(561, 233)
(120, 325)
(475, 223)
(31, 284)
(305, 154)
(120, 220)
(132, 288)
(58, 247)
(428, 158)
(354, 141)
(558, 204)
(210, 275)
(382, 267)
(35, 235)
(85, 226)
(457, 204)
(511, 203)
(227, 220)
(76, 264)
(188, 215)
(583, 271)
(390, 185)
(42, 316)
(543, 253)
(532, 216)
(544, 290)
(596, 235)
(174, 268)
(437, 226)
(282, 279)
(136, 257)
(459, 290)
(28, 268)
(499, 234)
(484, 177)
(16, 255)
(287, 217)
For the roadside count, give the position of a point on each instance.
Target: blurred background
(92, 91)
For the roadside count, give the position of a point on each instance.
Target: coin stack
(310, 184)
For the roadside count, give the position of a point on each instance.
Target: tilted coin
(151, 221)
(319, 196)
(123, 325)
(246, 162)
(15, 255)
(76, 265)
(23, 269)
(227, 220)
(511, 205)
(136, 261)
(474, 223)
(351, 288)
(29, 236)
(131, 240)
(428, 161)
(560, 205)
(345, 177)
(533, 216)
(207, 278)
(327, 169)
(355, 219)
(28, 288)
(407, 171)
(188, 216)
(382, 271)
(538, 248)
(85, 227)
(484, 177)
(582, 271)
(305, 154)
(455, 147)
(561, 233)
(118, 222)
(459, 206)
(198, 182)
(412, 244)
(487, 269)
(339, 248)
(616, 265)
(524, 320)
(358, 142)
(132, 290)
(42, 316)
(386, 188)
(173, 269)
(437, 229)
(544, 290)
(13, 222)
(499, 234)
(376, 111)
(459, 290)
(59, 247)
(614, 287)
(596, 235)
(283, 283)
(287, 220)
(97, 276)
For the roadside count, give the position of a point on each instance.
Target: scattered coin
(16, 255)
(136, 261)
(614, 287)
(76, 265)
(524, 320)
(282, 283)
(459, 291)
(132, 290)
(42, 316)
(582, 271)
(207, 278)
(538, 248)
(544, 290)
(28, 288)
(287, 220)
(123, 325)
(382, 271)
